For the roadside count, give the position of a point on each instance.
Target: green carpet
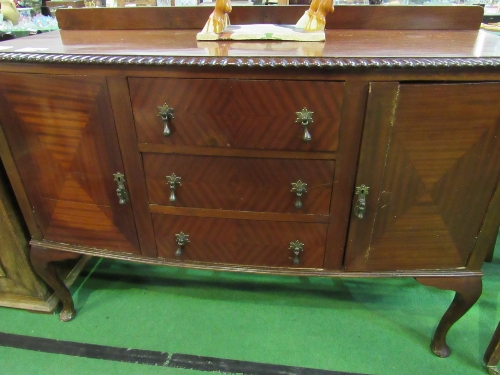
(368, 326)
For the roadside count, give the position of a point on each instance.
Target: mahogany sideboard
(373, 154)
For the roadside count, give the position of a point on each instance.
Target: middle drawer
(238, 183)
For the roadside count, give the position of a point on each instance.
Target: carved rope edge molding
(410, 62)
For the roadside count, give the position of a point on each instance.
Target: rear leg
(492, 354)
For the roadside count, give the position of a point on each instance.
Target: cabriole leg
(42, 261)
(492, 354)
(468, 290)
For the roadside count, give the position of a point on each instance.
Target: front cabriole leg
(43, 263)
(468, 289)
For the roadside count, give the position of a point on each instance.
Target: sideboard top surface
(364, 44)
(406, 38)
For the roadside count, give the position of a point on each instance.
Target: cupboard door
(431, 156)
(64, 143)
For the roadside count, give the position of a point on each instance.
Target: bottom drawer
(245, 242)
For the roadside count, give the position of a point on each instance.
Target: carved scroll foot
(468, 290)
(42, 261)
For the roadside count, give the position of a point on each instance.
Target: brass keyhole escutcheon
(360, 206)
(121, 190)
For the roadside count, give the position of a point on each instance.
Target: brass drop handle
(173, 181)
(299, 188)
(360, 206)
(181, 239)
(297, 247)
(121, 190)
(305, 119)
(166, 113)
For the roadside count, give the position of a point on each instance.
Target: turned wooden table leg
(492, 354)
(468, 290)
(42, 261)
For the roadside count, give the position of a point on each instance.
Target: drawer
(245, 242)
(237, 183)
(238, 113)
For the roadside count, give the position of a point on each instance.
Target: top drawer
(246, 114)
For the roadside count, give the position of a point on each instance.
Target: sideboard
(373, 154)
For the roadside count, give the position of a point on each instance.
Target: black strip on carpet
(193, 362)
(154, 358)
(77, 349)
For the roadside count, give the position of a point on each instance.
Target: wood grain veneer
(66, 157)
(346, 164)
(238, 113)
(344, 17)
(242, 184)
(405, 101)
(262, 243)
(437, 148)
(122, 111)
